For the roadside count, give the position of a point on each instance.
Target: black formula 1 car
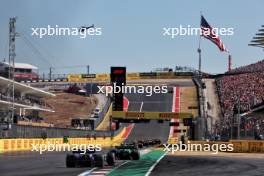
(140, 144)
(151, 142)
(147, 143)
(88, 159)
(125, 152)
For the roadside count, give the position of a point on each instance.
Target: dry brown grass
(68, 106)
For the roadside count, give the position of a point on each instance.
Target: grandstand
(241, 92)
(28, 101)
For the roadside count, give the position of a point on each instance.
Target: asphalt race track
(32, 163)
(153, 129)
(210, 165)
(53, 163)
(179, 164)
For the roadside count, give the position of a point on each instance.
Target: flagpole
(203, 122)
(200, 55)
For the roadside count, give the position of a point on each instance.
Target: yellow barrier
(149, 115)
(1, 146)
(105, 123)
(132, 76)
(129, 76)
(172, 140)
(40, 124)
(240, 146)
(20, 144)
(256, 146)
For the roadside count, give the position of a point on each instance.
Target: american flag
(208, 32)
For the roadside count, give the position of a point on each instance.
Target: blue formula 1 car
(88, 159)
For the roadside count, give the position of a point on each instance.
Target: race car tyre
(89, 162)
(124, 155)
(99, 160)
(110, 158)
(70, 161)
(114, 151)
(135, 155)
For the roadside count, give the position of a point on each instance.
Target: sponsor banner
(148, 74)
(23, 144)
(103, 76)
(256, 146)
(132, 76)
(135, 114)
(169, 115)
(74, 77)
(149, 115)
(129, 76)
(183, 73)
(88, 75)
(238, 146)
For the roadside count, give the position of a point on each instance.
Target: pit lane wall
(129, 76)
(25, 144)
(240, 146)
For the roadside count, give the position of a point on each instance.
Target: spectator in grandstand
(247, 88)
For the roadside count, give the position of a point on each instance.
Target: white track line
(154, 165)
(118, 166)
(142, 152)
(173, 110)
(141, 106)
(86, 173)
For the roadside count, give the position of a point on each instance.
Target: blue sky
(131, 33)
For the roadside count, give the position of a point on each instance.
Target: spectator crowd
(244, 86)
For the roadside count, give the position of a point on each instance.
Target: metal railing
(22, 131)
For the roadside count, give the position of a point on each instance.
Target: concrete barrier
(21, 144)
(105, 122)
